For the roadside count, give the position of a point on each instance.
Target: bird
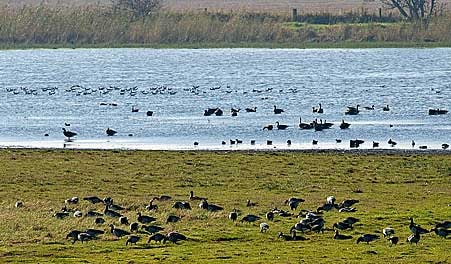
(318, 110)
(152, 228)
(18, 204)
(172, 219)
(195, 198)
(338, 236)
(386, 108)
(444, 224)
(73, 200)
(110, 132)
(118, 232)
(344, 125)
(134, 109)
(251, 110)
(61, 215)
(367, 238)
(314, 142)
(270, 215)
(73, 234)
(78, 213)
(134, 227)
(369, 107)
(278, 110)
(93, 199)
(250, 218)
(375, 144)
(182, 205)
(145, 219)
(196, 143)
(342, 226)
(94, 232)
(264, 227)
(69, 134)
(351, 220)
(304, 125)
(175, 236)
(149, 113)
(269, 142)
(268, 127)
(99, 220)
(347, 203)
(233, 215)
(132, 240)
(413, 143)
(330, 200)
(84, 237)
(388, 231)
(123, 220)
(281, 127)
(250, 204)
(163, 198)
(445, 146)
(441, 231)
(158, 237)
(414, 238)
(151, 206)
(210, 207)
(352, 110)
(289, 142)
(297, 238)
(111, 213)
(393, 240)
(416, 229)
(284, 237)
(391, 142)
(423, 147)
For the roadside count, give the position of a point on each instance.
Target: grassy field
(391, 188)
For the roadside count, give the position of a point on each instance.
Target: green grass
(395, 187)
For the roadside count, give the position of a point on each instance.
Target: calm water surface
(41, 90)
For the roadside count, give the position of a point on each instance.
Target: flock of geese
(115, 216)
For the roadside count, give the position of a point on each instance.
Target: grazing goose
(393, 240)
(123, 220)
(250, 204)
(93, 199)
(268, 127)
(444, 224)
(132, 240)
(369, 107)
(304, 125)
(330, 200)
(151, 206)
(347, 203)
(163, 198)
(250, 218)
(182, 205)
(338, 236)
(264, 227)
(251, 110)
(278, 110)
(293, 204)
(388, 231)
(367, 238)
(118, 232)
(91, 213)
(386, 108)
(284, 237)
(303, 227)
(99, 221)
(61, 215)
(84, 237)
(318, 228)
(175, 236)
(18, 204)
(68, 134)
(414, 238)
(158, 237)
(94, 232)
(172, 219)
(73, 200)
(417, 229)
(210, 207)
(110, 132)
(233, 215)
(344, 125)
(294, 237)
(326, 207)
(210, 111)
(441, 231)
(347, 210)
(152, 228)
(73, 234)
(111, 213)
(352, 110)
(270, 215)
(195, 198)
(78, 213)
(342, 226)
(281, 127)
(145, 219)
(351, 220)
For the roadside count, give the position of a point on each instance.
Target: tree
(139, 8)
(413, 9)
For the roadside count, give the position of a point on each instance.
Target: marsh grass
(393, 188)
(97, 26)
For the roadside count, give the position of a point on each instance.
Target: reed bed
(84, 26)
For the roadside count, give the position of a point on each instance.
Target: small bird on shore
(69, 134)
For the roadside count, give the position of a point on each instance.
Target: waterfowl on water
(386, 108)
(251, 110)
(304, 125)
(369, 108)
(134, 109)
(344, 125)
(110, 132)
(278, 110)
(391, 142)
(352, 110)
(268, 127)
(281, 127)
(69, 134)
(317, 110)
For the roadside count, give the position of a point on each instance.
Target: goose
(91, 213)
(386, 108)
(93, 199)
(61, 215)
(151, 206)
(152, 228)
(69, 134)
(134, 109)
(330, 200)
(118, 232)
(347, 203)
(123, 220)
(145, 219)
(417, 229)
(132, 240)
(73, 234)
(342, 226)
(182, 205)
(73, 200)
(388, 231)
(239, 141)
(367, 238)
(304, 125)
(303, 227)
(18, 204)
(195, 198)
(391, 142)
(441, 231)
(318, 110)
(210, 207)
(347, 210)
(423, 147)
(108, 201)
(232, 142)
(172, 219)
(264, 227)
(66, 124)
(375, 144)
(338, 236)
(344, 125)
(393, 240)
(414, 238)
(293, 204)
(289, 142)
(251, 110)
(116, 207)
(78, 213)
(158, 237)
(149, 113)
(355, 143)
(233, 215)
(219, 112)
(284, 237)
(163, 198)
(338, 140)
(110, 132)
(223, 143)
(444, 224)
(352, 110)
(111, 213)
(84, 237)
(175, 236)
(94, 232)
(326, 207)
(268, 127)
(297, 238)
(318, 228)
(278, 110)
(351, 220)
(269, 142)
(209, 111)
(413, 143)
(250, 218)
(196, 143)
(233, 110)
(250, 204)
(445, 146)
(252, 142)
(270, 215)
(369, 107)
(314, 142)
(99, 221)
(281, 127)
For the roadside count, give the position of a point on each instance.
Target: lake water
(41, 90)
